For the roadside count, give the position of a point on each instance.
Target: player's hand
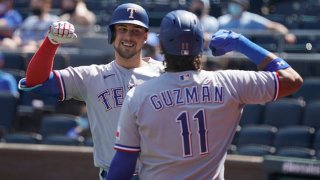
(61, 32)
(223, 41)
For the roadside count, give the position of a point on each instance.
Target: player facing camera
(137, 16)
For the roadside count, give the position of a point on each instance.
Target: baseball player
(183, 126)
(101, 87)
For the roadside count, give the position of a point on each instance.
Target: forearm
(289, 79)
(225, 41)
(264, 59)
(41, 64)
(122, 166)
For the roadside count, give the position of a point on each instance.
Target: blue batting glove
(223, 41)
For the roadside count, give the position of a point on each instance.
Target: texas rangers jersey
(183, 123)
(103, 89)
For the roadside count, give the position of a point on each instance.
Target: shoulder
(155, 65)
(91, 70)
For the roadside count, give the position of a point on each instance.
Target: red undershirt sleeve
(40, 65)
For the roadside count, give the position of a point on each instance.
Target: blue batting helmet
(128, 13)
(181, 33)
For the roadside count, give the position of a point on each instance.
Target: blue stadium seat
(305, 69)
(25, 138)
(255, 150)
(300, 45)
(266, 41)
(309, 90)
(8, 106)
(284, 112)
(14, 61)
(294, 136)
(311, 115)
(252, 115)
(298, 152)
(88, 141)
(57, 124)
(288, 7)
(236, 136)
(256, 135)
(61, 140)
(316, 144)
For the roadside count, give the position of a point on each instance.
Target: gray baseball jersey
(103, 89)
(184, 122)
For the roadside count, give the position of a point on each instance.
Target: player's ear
(146, 37)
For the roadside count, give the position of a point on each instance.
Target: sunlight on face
(129, 40)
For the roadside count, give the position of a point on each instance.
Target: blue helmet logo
(128, 13)
(181, 33)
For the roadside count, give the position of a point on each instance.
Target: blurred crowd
(26, 30)
(23, 29)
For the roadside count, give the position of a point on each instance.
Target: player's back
(181, 121)
(186, 120)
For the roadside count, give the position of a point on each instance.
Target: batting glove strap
(61, 32)
(276, 65)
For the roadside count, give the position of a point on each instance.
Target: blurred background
(288, 129)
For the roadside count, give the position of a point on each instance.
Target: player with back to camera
(183, 126)
(101, 87)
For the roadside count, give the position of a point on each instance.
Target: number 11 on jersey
(199, 119)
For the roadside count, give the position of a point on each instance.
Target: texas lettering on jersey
(187, 95)
(113, 97)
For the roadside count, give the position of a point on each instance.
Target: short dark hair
(177, 63)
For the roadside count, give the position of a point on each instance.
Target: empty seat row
(54, 130)
(35, 138)
(282, 113)
(293, 141)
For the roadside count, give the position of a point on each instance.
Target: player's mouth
(127, 44)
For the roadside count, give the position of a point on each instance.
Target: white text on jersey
(187, 95)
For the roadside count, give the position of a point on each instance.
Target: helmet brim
(135, 22)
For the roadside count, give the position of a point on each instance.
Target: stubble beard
(125, 54)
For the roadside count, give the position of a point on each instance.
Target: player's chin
(128, 54)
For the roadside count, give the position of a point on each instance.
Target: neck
(133, 62)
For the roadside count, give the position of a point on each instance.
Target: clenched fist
(61, 32)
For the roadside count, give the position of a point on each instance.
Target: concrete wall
(33, 162)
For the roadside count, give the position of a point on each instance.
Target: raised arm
(41, 63)
(225, 41)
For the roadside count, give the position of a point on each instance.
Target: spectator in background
(240, 19)
(82, 129)
(10, 19)
(152, 47)
(209, 23)
(34, 28)
(7, 81)
(76, 12)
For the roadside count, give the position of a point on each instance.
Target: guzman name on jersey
(187, 95)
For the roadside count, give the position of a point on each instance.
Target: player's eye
(122, 29)
(137, 31)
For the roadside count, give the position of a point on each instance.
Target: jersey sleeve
(49, 88)
(250, 87)
(72, 82)
(127, 135)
